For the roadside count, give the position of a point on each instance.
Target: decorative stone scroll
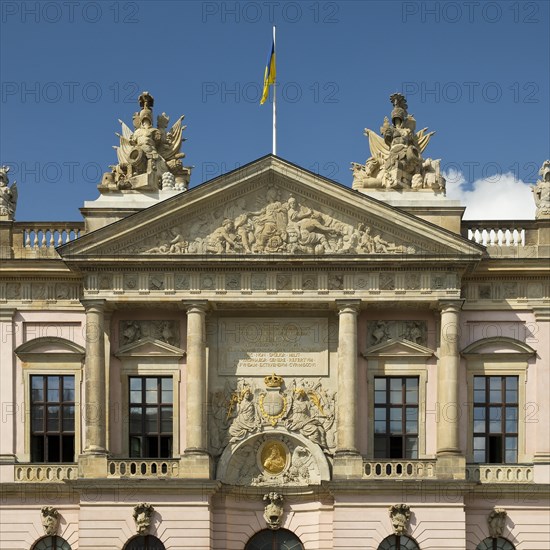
(400, 515)
(382, 331)
(280, 226)
(396, 161)
(165, 331)
(273, 512)
(50, 520)
(262, 345)
(496, 521)
(143, 514)
(305, 408)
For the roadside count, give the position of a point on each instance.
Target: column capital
(450, 305)
(91, 304)
(7, 314)
(348, 306)
(195, 306)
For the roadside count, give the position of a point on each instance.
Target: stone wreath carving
(305, 408)
(289, 227)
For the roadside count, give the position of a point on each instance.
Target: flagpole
(274, 103)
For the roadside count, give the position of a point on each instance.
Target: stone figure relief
(50, 520)
(149, 158)
(143, 514)
(396, 155)
(273, 512)
(305, 407)
(496, 521)
(382, 331)
(165, 331)
(541, 192)
(400, 515)
(282, 226)
(8, 195)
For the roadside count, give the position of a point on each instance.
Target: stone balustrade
(46, 473)
(33, 238)
(398, 469)
(494, 234)
(500, 473)
(168, 468)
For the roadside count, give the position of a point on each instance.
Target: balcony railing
(46, 473)
(398, 469)
(39, 239)
(500, 473)
(167, 468)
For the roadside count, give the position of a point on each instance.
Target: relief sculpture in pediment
(288, 226)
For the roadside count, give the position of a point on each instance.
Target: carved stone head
(400, 515)
(496, 521)
(273, 513)
(143, 513)
(50, 519)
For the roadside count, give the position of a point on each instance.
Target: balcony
(399, 469)
(45, 473)
(151, 468)
(500, 473)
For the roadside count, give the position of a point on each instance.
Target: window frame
(45, 404)
(163, 370)
(488, 367)
(406, 367)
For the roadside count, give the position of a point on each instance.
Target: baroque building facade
(273, 360)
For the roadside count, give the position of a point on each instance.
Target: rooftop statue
(541, 192)
(149, 158)
(8, 195)
(396, 155)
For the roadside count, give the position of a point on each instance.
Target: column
(10, 409)
(447, 379)
(94, 413)
(347, 377)
(196, 428)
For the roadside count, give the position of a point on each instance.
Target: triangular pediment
(398, 347)
(149, 347)
(270, 208)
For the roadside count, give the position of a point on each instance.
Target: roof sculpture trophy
(396, 161)
(149, 158)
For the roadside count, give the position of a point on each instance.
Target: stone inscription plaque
(257, 346)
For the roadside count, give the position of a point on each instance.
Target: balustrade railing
(45, 472)
(143, 468)
(39, 235)
(500, 473)
(496, 235)
(398, 469)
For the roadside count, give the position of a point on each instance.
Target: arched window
(144, 542)
(498, 543)
(398, 542)
(51, 543)
(280, 539)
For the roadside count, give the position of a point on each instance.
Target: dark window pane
(54, 448)
(135, 420)
(495, 449)
(151, 420)
(396, 420)
(511, 419)
(411, 420)
(67, 448)
(396, 447)
(37, 388)
(53, 388)
(166, 420)
(411, 449)
(53, 424)
(495, 420)
(68, 418)
(37, 418)
(68, 388)
(135, 447)
(37, 448)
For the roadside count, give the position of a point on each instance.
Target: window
(51, 543)
(495, 544)
(280, 539)
(398, 542)
(396, 417)
(495, 419)
(144, 542)
(151, 413)
(52, 418)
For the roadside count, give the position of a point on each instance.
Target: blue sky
(476, 72)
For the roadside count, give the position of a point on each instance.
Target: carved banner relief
(258, 346)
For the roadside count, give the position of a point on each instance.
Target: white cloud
(499, 197)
